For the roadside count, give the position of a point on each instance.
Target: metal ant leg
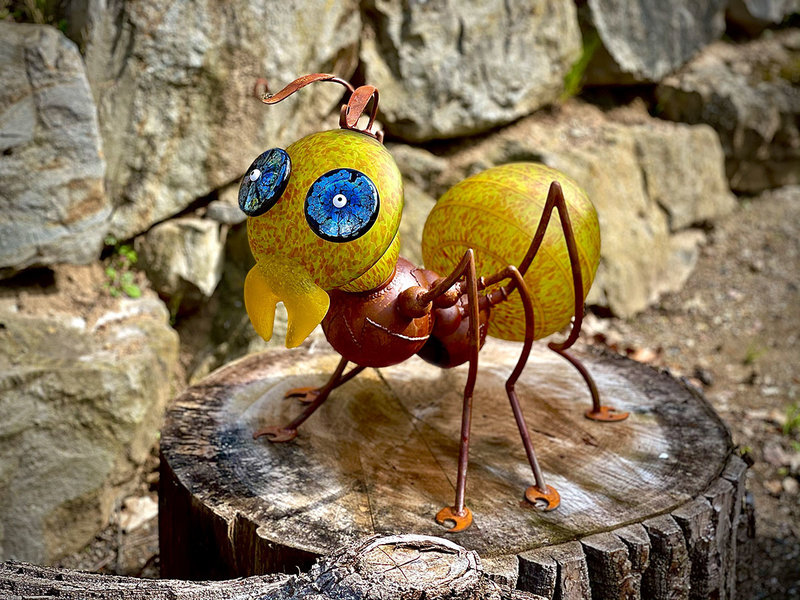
(275, 433)
(307, 395)
(598, 412)
(555, 199)
(459, 514)
(540, 491)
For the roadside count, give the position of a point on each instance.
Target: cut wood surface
(643, 500)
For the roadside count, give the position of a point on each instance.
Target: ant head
(326, 210)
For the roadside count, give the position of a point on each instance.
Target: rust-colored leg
(598, 412)
(307, 395)
(459, 514)
(555, 199)
(275, 433)
(540, 494)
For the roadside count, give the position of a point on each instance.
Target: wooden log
(380, 458)
(409, 567)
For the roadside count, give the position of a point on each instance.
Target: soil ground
(733, 331)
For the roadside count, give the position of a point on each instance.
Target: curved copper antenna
(351, 111)
(356, 105)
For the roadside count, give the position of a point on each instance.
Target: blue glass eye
(264, 182)
(342, 205)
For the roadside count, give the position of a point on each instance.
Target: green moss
(573, 80)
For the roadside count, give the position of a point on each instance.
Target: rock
(225, 209)
(668, 167)
(753, 16)
(644, 40)
(453, 69)
(791, 486)
(174, 87)
(183, 259)
(83, 397)
(220, 331)
(684, 250)
(704, 376)
(749, 93)
(53, 208)
(136, 511)
(642, 256)
(644, 355)
(773, 487)
(775, 455)
(794, 464)
(419, 167)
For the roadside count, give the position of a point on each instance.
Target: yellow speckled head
(337, 216)
(496, 213)
(285, 230)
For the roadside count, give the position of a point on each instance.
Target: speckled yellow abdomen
(496, 213)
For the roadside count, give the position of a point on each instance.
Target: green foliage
(752, 354)
(573, 80)
(792, 424)
(120, 276)
(791, 427)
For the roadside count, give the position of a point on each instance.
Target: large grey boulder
(174, 87)
(644, 40)
(448, 69)
(751, 95)
(183, 259)
(85, 380)
(53, 208)
(682, 173)
(650, 180)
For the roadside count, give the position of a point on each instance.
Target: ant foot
(606, 414)
(305, 395)
(462, 520)
(276, 434)
(550, 497)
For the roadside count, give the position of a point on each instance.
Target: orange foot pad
(276, 434)
(306, 395)
(606, 414)
(546, 501)
(448, 513)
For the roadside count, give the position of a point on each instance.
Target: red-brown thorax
(384, 326)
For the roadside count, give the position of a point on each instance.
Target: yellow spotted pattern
(496, 213)
(283, 229)
(380, 272)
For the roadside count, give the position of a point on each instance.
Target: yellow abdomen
(496, 213)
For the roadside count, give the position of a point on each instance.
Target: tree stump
(410, 567)
(650, 505)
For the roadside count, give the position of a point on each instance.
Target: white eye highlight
(255, 174)
(339, 200)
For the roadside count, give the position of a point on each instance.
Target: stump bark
(408, 567)
(650, 506)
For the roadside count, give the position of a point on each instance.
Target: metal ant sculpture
(323, 221)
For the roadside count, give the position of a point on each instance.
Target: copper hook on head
(350, 112)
